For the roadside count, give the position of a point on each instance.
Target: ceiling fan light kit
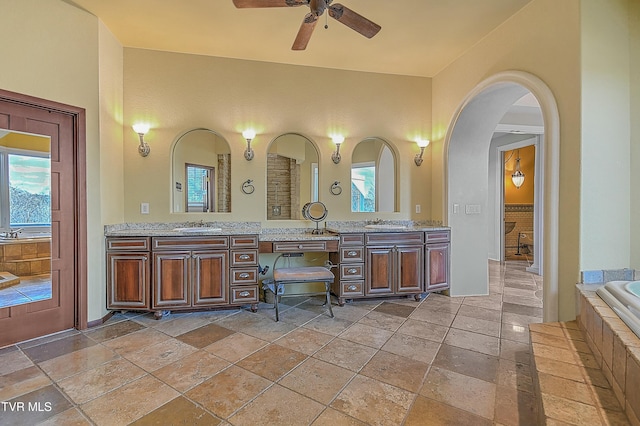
(340, 13)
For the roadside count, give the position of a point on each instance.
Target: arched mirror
(201, 176)
(373, 177)
(292, 176)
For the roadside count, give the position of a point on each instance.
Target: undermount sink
(385, 226)
(197, 229)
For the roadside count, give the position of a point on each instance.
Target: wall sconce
(142, 129)
(422, 143)
(248, 135)
(517, 177)
(337, 139)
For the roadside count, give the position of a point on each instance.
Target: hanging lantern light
(517, 177)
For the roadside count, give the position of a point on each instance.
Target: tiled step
(568, 382)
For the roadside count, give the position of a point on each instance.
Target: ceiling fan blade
(354, 20)
(305, 31)
(269, 3)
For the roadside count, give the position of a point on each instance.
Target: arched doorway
(467, 185)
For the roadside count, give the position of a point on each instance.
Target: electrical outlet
(418, 208)
(144, 208)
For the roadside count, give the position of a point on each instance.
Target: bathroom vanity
(397, 262)
(165, 268)
(159, 267)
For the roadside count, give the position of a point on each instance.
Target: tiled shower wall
(522, 215)
(224, 185)
(286, 173)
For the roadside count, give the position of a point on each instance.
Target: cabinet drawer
(351, 254)
(297, 246)
(139, 243)
(243, 276)
(352, 288)
(352, 271)
(351, 239)
(190, 243)
(437, 237)
(244, 258)
(244, 241)
(244, 294)
(394, 238)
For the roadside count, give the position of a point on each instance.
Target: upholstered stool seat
(307, 274)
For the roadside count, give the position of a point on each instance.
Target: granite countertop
(296, 234)
(331, 231)
(177, 229)
(353, 227)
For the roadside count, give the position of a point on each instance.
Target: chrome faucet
(12, 233)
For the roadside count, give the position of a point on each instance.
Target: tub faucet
(12, 233)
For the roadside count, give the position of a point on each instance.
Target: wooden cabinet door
(437, 266)
(210, 279)
(409, 270)
(171, 279)
(128, 284)
(380, 270)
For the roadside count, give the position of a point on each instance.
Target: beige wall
(544, 40)
(605, 153)
(51, 51)
(634, 53)
(176, 92)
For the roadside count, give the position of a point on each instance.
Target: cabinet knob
(352, 270)
(244, 293)
(352, 288)
(244, 275)
(352, 253)
(244, 257)
(300, 246)
(144, 257)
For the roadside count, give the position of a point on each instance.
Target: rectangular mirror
(25, 218)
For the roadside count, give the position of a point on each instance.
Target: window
(200, 192)
(25, 190)
(363, 187)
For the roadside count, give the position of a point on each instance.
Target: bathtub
(624, 298)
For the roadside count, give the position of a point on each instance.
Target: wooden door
(437, 266)
(409, 274)
(210, 280)
(64, 125)
(128, 281)
(380, 267)
(171, 279)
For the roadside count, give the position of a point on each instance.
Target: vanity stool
(307, 274)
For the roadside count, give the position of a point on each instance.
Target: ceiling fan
(337, 11)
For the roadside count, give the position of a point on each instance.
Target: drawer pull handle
(352, 270)
(352, 253)
(352, 288)
(300, 246)
(244, 275)
(244, 293)
(244, 257)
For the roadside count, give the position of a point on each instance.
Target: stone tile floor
(440, 361)
(30, 289)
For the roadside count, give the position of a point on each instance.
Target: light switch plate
(472, 208)
(144, 208)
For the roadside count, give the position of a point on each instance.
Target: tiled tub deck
(616, 349)
(587, 371)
